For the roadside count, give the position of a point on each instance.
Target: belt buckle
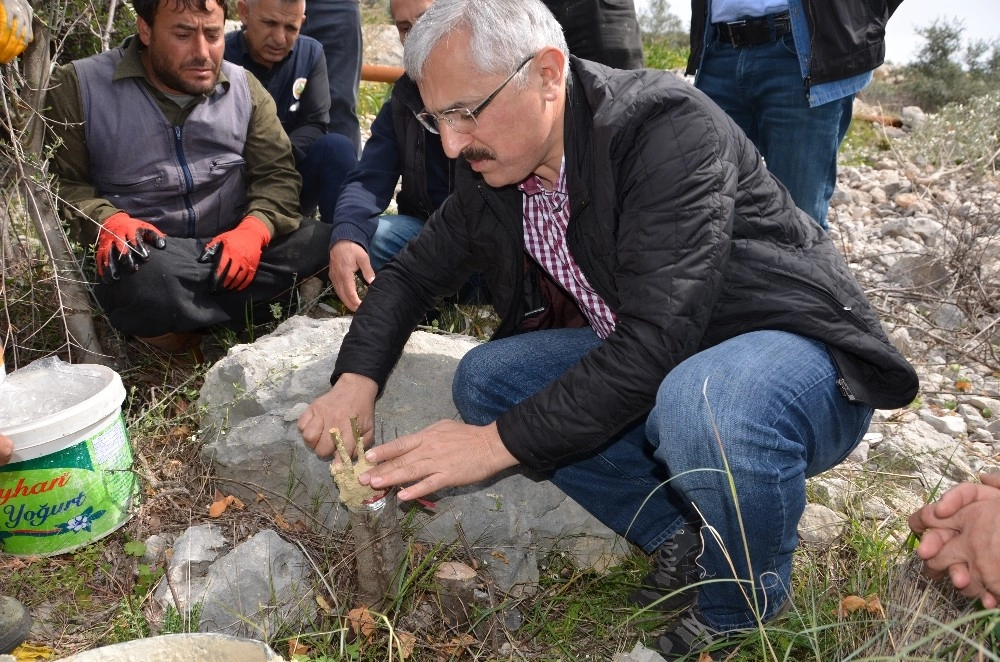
(736, 38)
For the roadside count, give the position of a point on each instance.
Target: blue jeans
(761, 88)
(323, 170)
(392, 233)
(772, 396)
(337, 25)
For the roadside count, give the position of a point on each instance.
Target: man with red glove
(174, 163)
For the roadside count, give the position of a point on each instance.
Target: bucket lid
(107, 397)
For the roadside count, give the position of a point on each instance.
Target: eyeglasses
(463, 120)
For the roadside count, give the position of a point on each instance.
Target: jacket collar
(578, 150)
(406, 91)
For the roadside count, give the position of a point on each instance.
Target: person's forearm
(273, 183)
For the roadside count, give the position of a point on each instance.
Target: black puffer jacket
(677, 225)
(846, 37)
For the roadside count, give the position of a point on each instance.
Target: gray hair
(501, 33)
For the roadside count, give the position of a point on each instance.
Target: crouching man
(668, 314)
(175, 163)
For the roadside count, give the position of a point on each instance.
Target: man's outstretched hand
(445, 454)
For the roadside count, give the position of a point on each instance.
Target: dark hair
(146, 9)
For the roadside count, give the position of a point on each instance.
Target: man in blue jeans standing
(293, 69)
(336, 24)
(787, 71)
(671, 324)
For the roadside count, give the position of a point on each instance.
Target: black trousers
(604, 31)
(170, 292)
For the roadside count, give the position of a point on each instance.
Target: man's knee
(333, 150)
(467, 387)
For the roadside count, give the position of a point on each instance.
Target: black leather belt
(755, 31)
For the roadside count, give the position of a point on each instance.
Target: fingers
(352, 397)
(6, 449)
(153, 237)
(445, 454)
(932, 542)
(346, 259)
(367, 273)
(315, 433)
(111, 271)
(210, 252)
(960, 577)
(231, 276)
(240, 280)
(991, 479)
(957, 498)
(343, 285)
(107, 250)
(918, 520)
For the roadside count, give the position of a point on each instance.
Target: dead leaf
(963, 385)
(361, 621)
(28, 653)
(153, 524)
(281, 522)
(295, 648)
(459, 644)
(407, 642)
(323, 604)
(223, 502)
(849, 605)
(874, 606)
(13, 563)
(500, 556)
(218, 506)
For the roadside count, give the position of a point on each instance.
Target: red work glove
(122, 241)
(237, 254)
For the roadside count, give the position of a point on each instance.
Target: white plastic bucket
(70, 480)
(193, 647)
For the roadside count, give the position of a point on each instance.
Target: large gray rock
(251, 401)
(250, 590)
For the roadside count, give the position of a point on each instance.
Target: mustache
(199, 63)
(478, 154)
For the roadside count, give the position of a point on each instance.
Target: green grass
(371, 96)
(664, 53)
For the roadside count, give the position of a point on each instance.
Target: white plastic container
(70, 480)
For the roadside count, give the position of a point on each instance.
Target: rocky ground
(923, 243)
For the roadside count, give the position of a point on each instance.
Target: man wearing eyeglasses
(679, 345)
